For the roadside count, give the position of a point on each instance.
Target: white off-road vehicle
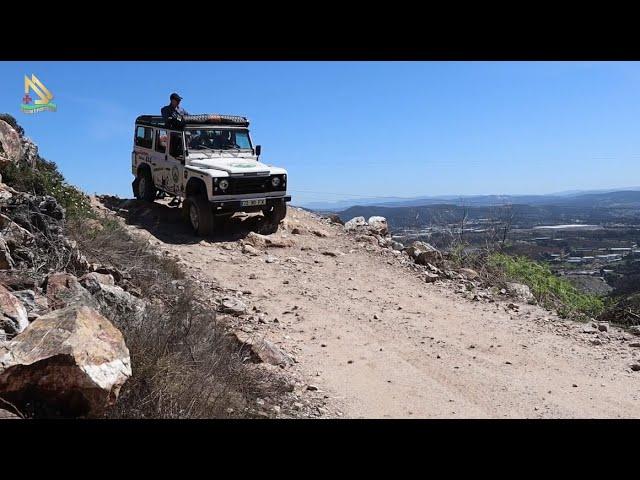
(209, 163)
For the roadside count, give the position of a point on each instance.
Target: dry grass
(184, 365)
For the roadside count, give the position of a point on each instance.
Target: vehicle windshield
(221, 139)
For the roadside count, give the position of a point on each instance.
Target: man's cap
(176, 96)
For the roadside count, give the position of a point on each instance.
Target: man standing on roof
(173, 112)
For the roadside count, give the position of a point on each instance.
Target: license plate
(251, 203)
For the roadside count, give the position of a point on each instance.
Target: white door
(159, 159)
(175, 163)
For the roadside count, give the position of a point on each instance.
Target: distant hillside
(596, 208)
(623, 198)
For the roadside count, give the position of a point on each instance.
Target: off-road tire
(273, 216)
(143, 187)
(198, 214)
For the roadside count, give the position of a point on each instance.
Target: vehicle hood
(232, 165)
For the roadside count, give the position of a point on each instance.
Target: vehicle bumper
(238, 204)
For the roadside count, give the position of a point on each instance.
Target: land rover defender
(209, 164)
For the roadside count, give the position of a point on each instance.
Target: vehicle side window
(144, 137)
(175, 147)
(161, 141)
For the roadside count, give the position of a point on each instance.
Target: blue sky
(350, 129)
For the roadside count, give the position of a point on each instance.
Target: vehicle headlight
(275, 181)
(223, 184)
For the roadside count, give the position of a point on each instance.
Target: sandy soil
(379, 342)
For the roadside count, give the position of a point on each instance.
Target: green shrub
(46, 179)
(549, 290)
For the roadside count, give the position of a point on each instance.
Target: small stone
(430, 277)
(233, 306)
(312, 388)
(249, 250)
(635, 344)
(603, 327)
(375, 317)
(635, 367)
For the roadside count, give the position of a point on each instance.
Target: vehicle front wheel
(273, 216)
(144, 189)
(197, 211)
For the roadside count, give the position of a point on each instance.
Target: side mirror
(258, 150)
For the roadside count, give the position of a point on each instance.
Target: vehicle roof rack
(192, 120)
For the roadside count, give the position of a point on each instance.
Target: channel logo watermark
(43, 103)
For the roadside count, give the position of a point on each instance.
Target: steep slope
(371, 338)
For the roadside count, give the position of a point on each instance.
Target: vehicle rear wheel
(145, 189)
(273, 216)
(197, 211)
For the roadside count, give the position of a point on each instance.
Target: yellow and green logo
(44, 96)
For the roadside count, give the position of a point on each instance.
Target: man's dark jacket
(173, 114)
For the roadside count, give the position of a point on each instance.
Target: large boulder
(356, 223)
(378, 225)
(10, 144)
(13, 315)
(69, 362)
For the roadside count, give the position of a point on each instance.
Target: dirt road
(379, 342)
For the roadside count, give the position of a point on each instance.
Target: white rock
(378, 225)
(355, 223)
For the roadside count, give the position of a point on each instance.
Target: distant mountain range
(628, 197)
(528, 210)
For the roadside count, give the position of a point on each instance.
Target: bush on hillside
(549, 290)
(44, 179)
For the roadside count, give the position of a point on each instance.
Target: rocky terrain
(120, 312)
(369, 328)
(59, 356)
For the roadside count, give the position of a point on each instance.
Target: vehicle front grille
(249, 185)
